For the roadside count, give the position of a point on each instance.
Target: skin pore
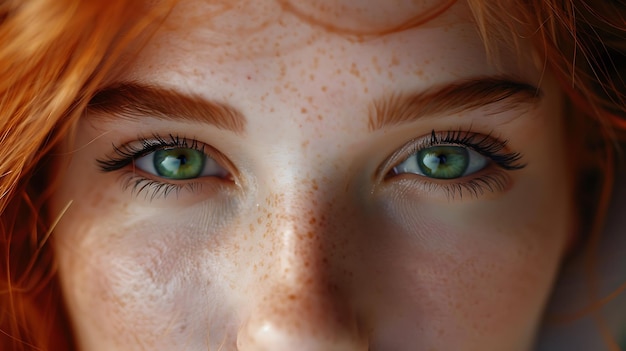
(308, 227)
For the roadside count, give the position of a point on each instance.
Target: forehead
(363, 18)
(219, 32)
(307, 60)
(270, 32)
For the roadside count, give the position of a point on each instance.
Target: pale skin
(301, 236)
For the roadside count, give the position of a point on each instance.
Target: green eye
(443, 162)
(180, 164)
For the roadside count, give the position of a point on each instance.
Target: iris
(178, 163)
(443, 162)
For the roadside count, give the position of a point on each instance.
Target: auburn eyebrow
(136, 101)
(451, 98)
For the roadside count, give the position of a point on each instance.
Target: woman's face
(260, 179)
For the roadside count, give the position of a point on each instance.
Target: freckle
(277, 90)
(324, 88)
(366, 90)
(319, 117)
(272, 109)
(303, 110)
(394, 61)
(354, 70)
(312, 77)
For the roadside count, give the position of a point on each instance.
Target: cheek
(152, 280)
(471, 272)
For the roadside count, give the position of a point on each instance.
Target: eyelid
(495, 147)
(476, 163)
(146, 163)
(127, 153)
(152, 186)
(396, 157)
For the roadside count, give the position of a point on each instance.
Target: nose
(306, 321)
(304, 304)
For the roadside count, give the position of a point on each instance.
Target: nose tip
(306, 322)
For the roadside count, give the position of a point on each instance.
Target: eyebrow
(135, 101)
(451, 98)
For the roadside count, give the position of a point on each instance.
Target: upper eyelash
(485, 145)
(127, 153)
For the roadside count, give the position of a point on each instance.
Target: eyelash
(485, 145)
(126, 154)
(476, 185)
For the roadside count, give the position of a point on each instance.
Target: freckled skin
(308, 247)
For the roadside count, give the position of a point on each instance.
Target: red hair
(56, 53)
(584, 44)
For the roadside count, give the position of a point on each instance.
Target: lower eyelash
(492, 179)
(474, 188)
(152, 189)
(125, 156)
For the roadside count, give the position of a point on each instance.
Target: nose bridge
(301, 305)
(304, 242)
(301, 225)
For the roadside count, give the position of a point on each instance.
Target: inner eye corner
(385, 170)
